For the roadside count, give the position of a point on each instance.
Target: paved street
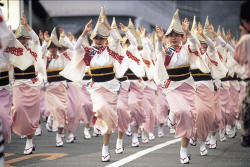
(161, 152)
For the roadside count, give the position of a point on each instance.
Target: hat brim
(52, 43)
(98, 35)
(180, 33)
(24, 37)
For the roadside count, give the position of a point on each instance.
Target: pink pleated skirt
(57, 103)
(124, 117)
(234, 105)
(225, 106)
(105, 107)
(204, 113)
(44, 109)
(5, 113)
(74, 107)
(219, 116)
(135, 100)
(87, 108)
(162, 106)
(26, 109)
(181, 104)
(149, 106)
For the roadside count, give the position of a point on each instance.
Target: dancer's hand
(87, 28)
(123, 27)
(185, 26)
(159, 33)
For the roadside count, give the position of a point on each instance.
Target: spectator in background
(242, 55)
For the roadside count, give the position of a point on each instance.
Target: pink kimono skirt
(219, 116)
(135, 100)
(234, 103)
(87, 107)
(74, 107)
(204, 113)
(105, 108)
(5, 113)
(181, 104)
(162, 106)
(44, 109)
(124, 117)
(26, 109)
(149, 106)
(57, 103)
(225, 106)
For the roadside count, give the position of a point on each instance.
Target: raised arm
(192, 39)
(210, 44)
(64, 39)
(45, 36)
(87, 29)
(159, 44)
(33, 35)
(160, 73)
(128, 34)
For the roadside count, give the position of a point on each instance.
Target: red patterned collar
(202, 51)
(178, 49)
(91, 51)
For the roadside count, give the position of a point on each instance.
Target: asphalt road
(87, 153)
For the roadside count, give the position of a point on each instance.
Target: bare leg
(136, 129)
(120, 135)
(87, 125)
(106, 138)
(60, 130)
(30, 136)
(184, 142)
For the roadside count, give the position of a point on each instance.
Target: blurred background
(73, 15)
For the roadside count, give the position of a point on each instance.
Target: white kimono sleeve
(18, 54)
(160, 74)
(75, 69)
(122, 66)
(5, 34)
(221, 42)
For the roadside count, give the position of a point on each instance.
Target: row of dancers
(187, 79)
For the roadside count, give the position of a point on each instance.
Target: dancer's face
(174, 39)
(53, 49)
(204, 46)
(24, 41)
(99, 41)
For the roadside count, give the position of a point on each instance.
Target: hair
(244, 11)
(176, 33)
(99, 36)
(23, 38)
